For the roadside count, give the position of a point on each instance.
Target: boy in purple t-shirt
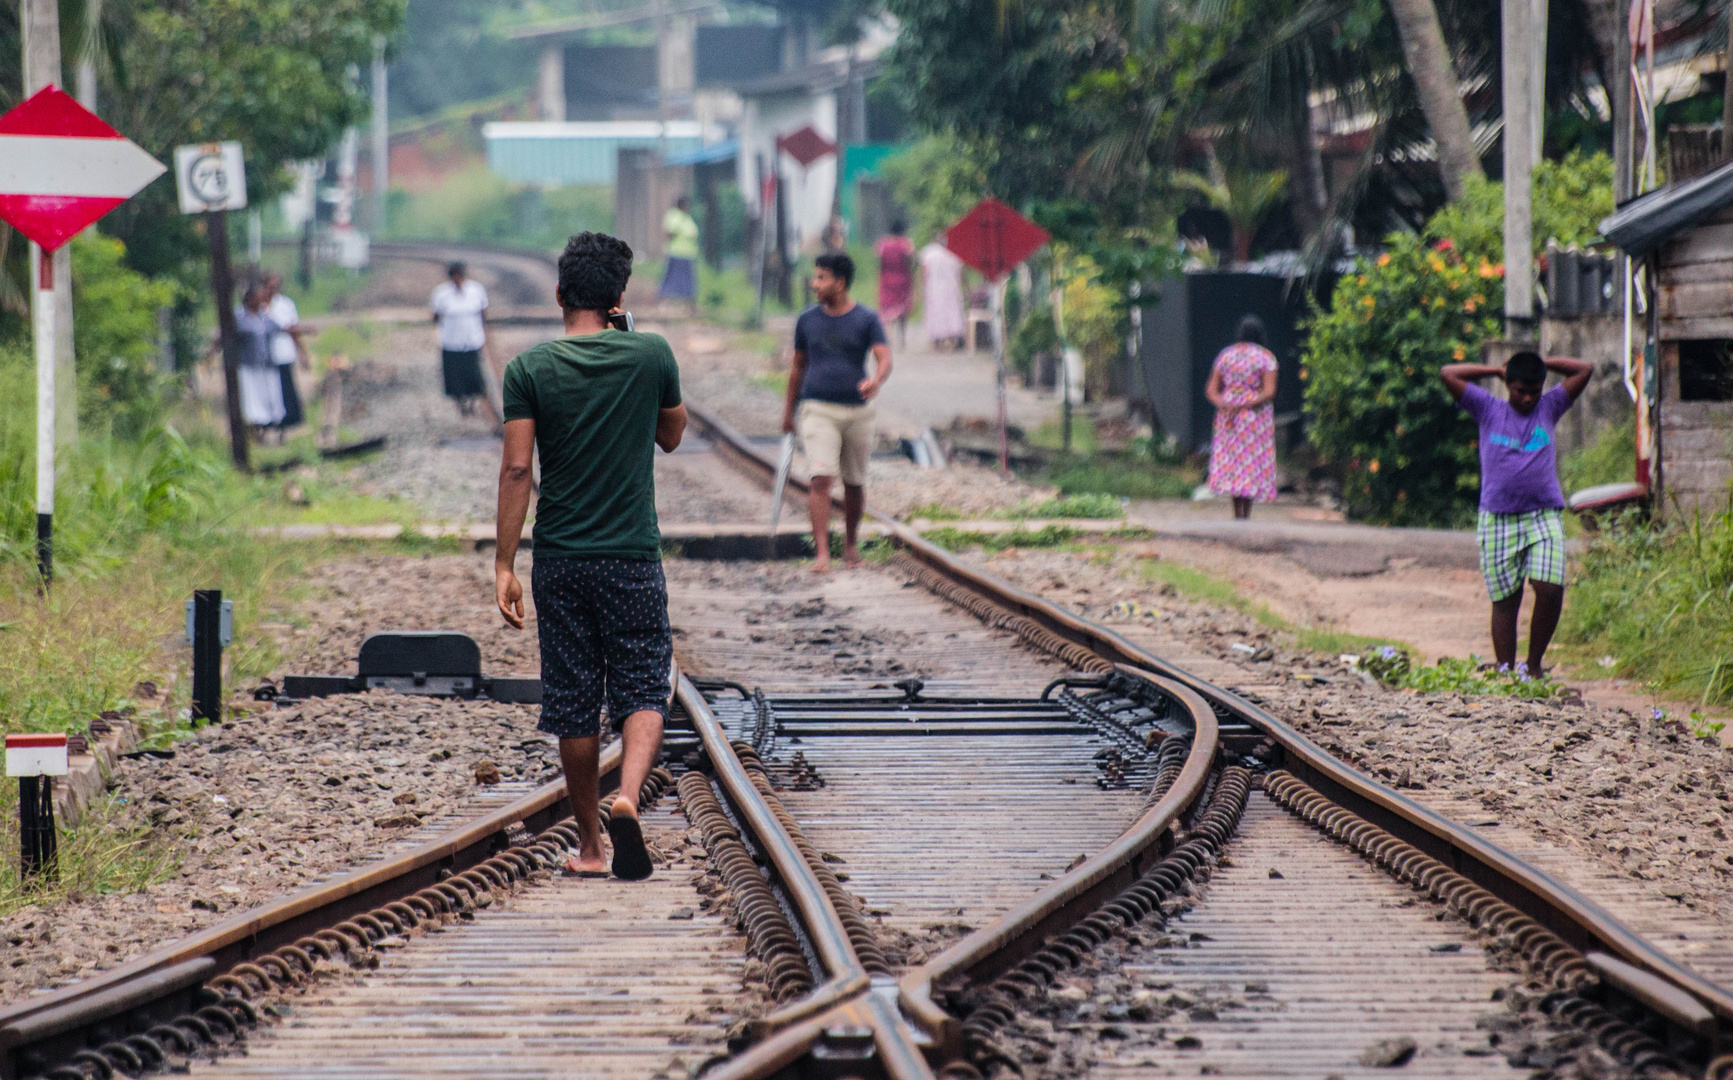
(1521, 527)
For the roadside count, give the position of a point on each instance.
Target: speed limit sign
(210, 176)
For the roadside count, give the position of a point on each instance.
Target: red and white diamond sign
(993, 238)
(61, 168)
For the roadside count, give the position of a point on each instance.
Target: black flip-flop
(631, 857)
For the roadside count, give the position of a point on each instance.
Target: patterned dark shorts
(603, 625)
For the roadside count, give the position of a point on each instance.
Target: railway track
(1027, 845)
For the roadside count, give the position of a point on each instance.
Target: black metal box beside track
(438, 663)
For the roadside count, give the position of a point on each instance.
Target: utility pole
(40, 22)
(381, 138)
(1727, 91)
(223, 286)
(1522, 124)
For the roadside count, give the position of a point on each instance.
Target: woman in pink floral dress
(1242, 451)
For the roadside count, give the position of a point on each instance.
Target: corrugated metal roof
(1648, 221)
(559, 154)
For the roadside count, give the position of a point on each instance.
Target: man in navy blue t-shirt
(830, 398)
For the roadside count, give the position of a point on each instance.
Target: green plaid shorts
(1517, 547)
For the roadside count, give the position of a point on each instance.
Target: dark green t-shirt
(595, 401)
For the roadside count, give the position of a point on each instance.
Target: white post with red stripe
(33, 759)
(61, 168)
(44, 412)
(36, 755)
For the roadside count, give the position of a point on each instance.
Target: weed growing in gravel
(1095, 505)
(111, 851)
(1125, 475)
(933, 512)
(1199, 586)
(1048, 536)
(1452, 675)
(1088, 505)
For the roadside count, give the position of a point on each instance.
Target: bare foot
(851, 557)
(595, 866)
(821, 566)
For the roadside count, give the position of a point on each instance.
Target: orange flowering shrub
(1373, 397)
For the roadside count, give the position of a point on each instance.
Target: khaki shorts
(838, 439)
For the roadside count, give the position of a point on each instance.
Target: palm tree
(1428, 61)
(1244, 196)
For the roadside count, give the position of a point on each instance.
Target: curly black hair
(839, 264)
(594, 270)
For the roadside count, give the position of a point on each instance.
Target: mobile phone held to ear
(621, 320)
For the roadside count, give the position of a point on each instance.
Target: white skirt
(261, 395)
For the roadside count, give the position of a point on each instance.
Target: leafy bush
(115, 334)
(1571, 196)
(1395, 668)
(1655, 603)
(1607, 460)
(111, 491)
(1372, 391)
(938, 179)
(1371, 364)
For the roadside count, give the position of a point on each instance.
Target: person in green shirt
(680, 279)
(595, 404)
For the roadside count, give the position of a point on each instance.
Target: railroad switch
(437, 663)
(841, 1050)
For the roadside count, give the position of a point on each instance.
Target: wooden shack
(1681, 237)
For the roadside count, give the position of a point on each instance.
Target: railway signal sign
(61, 168)
(210, 176)
(805, 146)
(993, 238)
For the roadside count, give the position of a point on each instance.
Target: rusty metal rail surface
(164, 983)
(98, 1027)
(1620, 958)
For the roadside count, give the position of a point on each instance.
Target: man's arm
(1577, 373)
(1457, 376)
(514, 507)
(796, 376)
(881, 371)
(670, 427)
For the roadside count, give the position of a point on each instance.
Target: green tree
(1571, 197)
(1376, 405)
(938, 178)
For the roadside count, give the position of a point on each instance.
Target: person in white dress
(459, 308)
(261, 386)
(286, 348)
(943, 312)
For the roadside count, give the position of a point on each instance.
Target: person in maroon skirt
(897, 279)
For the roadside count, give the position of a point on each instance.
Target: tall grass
(1655, 603)
(110, 851)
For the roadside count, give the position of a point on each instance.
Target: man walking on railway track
(1521, 527)
(595, 403)
(830, 398)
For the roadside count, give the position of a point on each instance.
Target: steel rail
(1050, 912)
(846, 976)
(252, 933)
(1575, 918)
